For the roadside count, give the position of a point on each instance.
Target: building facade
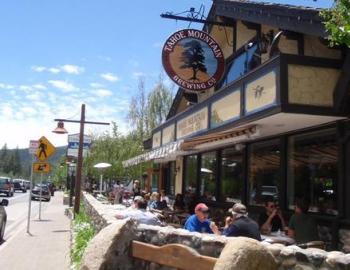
(276, 126)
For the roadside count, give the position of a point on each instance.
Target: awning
(214, 139)
(162, 152)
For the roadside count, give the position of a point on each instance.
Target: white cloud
(137, 75)
(103, 93)
(35, 96)
(38, 68)
(39, 86)
(54, 70)
(67, 68)
(25, 87)
(6, 86)
(110, 77)
(63, 85)
(96, 85)
(72, 69)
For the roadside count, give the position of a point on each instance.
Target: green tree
(16, 166)
(138, 111)
(4, 156)
(337, 23)
(159, 103)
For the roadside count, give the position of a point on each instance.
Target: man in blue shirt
(199, 222)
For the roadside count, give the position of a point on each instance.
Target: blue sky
(57, 54)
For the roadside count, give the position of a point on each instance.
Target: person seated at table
(302, 227)
(179, 204)
(157, 204)
(199, 221)
(164, 197)
(271, 220)
(147, 198)
(239, 224)
(140, 213)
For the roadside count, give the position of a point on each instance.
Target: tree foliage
(10, 162)
(337, 23)
(193, 57)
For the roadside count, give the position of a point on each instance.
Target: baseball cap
(201, 207)
(138, 198)
(238, 209)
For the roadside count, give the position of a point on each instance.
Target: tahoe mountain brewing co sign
(193, 60)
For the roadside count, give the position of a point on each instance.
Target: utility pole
(60, 130)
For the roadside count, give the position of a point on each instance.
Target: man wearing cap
(240, 224)
(199, 221)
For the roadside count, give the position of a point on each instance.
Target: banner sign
(73, 145)
(193, 60)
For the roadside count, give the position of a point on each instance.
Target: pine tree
(193, 57)
(4, 155)
(17, 167)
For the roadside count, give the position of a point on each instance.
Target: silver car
(3, 218)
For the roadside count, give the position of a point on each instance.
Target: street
(49, 236)
(17, 212)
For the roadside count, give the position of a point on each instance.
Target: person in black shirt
(240, 224)
(271, 220)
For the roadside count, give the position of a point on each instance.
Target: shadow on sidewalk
(42, 220)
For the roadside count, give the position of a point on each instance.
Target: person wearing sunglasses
(271, 220)
(199, 221)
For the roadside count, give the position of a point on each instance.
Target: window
(190, 181)
(232, 175)
(243, 63)
(312, 170)
(170, 185)
(264, 172)
(208, 176)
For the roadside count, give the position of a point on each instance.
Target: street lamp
(102, 166)
(61, 130)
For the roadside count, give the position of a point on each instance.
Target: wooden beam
(174, 255)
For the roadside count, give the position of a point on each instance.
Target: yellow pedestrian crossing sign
(45, 149)
(41, 167)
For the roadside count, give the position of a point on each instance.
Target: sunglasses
(205, 211)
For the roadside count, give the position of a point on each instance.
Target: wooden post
(80, 162)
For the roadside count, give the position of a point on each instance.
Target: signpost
(33, 146)
(44, 150)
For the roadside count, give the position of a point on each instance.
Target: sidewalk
(47, 248)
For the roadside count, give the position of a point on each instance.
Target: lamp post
(61, 130)
(102, 166)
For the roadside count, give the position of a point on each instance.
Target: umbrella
(205, 170)
(102, 165)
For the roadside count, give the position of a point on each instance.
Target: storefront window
(190, 181)
(264, 172)
(170, 187)
(231, 175)
(242, 64)
(208, 176)
(155, 182)
(312, 170)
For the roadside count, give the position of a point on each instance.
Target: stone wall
(116, 235)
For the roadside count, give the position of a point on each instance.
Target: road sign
(33, 146)
(41, 167)
(73, 145)
(45, 149)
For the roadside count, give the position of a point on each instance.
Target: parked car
(19, 184)
(27, 184)
(6, 186)
(45, 192)
(3, 218)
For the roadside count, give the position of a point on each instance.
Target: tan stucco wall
(311, 85)
(314, 47)
(243, 34)
(178, 178)
(223, 36)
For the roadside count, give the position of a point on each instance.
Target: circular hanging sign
(193, 60)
